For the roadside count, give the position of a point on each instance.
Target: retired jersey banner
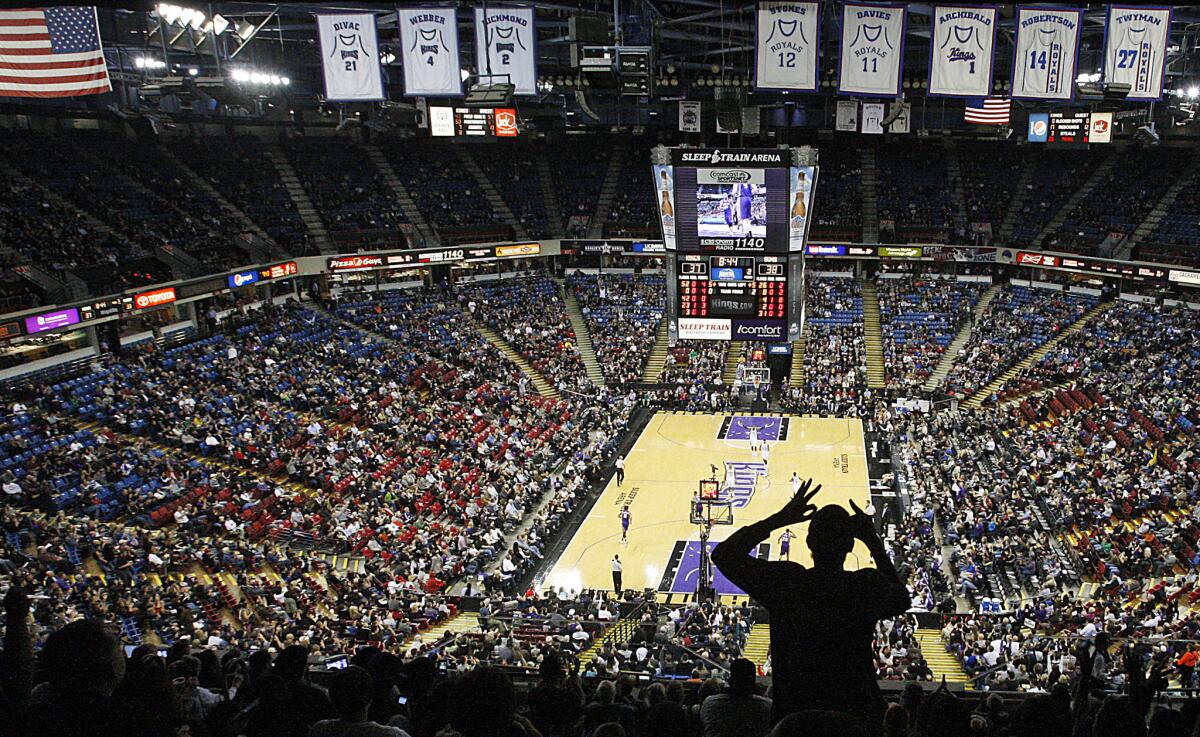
(960, 61)
(1135, 50)
(689, 116)
(429, 42)
(786, 36)
(872, 118)
(902, 122)
(350, 57)
(1047, 47)
(506, 44)
(872, 50)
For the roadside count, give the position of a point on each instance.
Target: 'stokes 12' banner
(1046, 48)
(350, 57)
(960, 60)
(429, 43)
(506, 47)
(1136, 49)
(872, 50)
(785, 46)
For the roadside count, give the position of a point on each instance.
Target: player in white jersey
(754, 440)
(1133, 61)
(1040, 64)
(960, 58)
(434, 71)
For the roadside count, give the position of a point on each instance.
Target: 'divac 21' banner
(350, 57)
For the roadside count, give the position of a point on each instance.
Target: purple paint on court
(689, 570)
(769, 428)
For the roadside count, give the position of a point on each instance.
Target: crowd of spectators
(579, 167)
(990, 173)
(623, 313)
(448, 197)
(1054, 177)
(695, 363)
(835, 368)
(912, 191)
(918, 317)
(513, 169)
(1016, 321)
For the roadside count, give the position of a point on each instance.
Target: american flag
(51, 52)
(988, 110)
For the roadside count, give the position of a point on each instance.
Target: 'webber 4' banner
(350, 57)
(1136, 49)
(505, 44)
(429, 40)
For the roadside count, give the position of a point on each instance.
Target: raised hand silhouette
(822, 617)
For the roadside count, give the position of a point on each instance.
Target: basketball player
(730, 212)
(625, 518)
(766, 453)
(785, 544)
(754, 440)
(745, 197)
(697, 506)
(796, 482)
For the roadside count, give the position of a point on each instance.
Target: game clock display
(732, 286)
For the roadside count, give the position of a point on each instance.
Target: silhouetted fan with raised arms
(822, 618)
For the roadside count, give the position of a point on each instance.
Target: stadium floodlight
(1193, 92)
(219, 24)
(168, 12)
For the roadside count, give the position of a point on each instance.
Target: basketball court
(662, 473)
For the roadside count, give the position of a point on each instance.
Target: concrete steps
(876, 377)
(540, 384)
(942, 370)
(658, 355)
(583, 338)
(869, 191)
(1155, 216)
(461, 622)
(954, 174)
(796, 372)
(940, 662)
(1080, 194)
(426, 231)
(499, 207)
(341, 562)
(977, 399)
(549, 197)
(608, 189)
(318, 234)
(619, 632)
(758, 645)
(1014, 206)
(733, 353)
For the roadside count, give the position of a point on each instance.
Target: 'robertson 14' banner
(1136, 49)
(505, 47)
(350, 57)
(960, 61)
(429, 42)
(1046, 50)
(786, 36)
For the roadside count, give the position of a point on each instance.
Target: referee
(616, 566)
(620, 464)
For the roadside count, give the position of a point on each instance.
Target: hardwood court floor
(662, 471)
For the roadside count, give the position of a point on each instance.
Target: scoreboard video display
(732, 286)
(731, 202)
(479, 123)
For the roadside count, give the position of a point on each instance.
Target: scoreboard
(1069, 127)
(732, 286)
(478, 123)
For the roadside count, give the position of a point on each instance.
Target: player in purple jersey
(745, 198)
(785, 545)
(625, 517)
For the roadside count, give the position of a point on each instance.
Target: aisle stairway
(1080, 195)
(976, 400)
(1016, 204)
(870, 301)
(796, 372)
(942, 370)
(425, 230)
(461, 622)
(500, 208)
(549, 197)
(543, 387)
(608, 189)
(619, 632)
(318, 234)
(954, 174)
(758, 645)
(658, 355)
(733, 353)
(583, 338)
(941, 662)
(868, 191)
(1155, 216)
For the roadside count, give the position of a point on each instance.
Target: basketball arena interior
(600, 368)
